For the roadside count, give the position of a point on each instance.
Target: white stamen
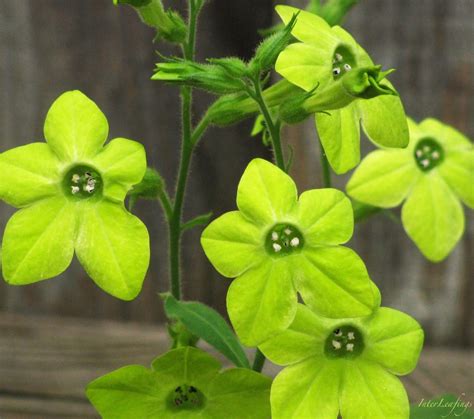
(276, 247)
(419, 153)
(287, 231)
(336, 344)
(338, 57)
(295, 241)
(350, 347)
(76, 178)
(351, 336)
(88, 175)
(89, 188)
(347, 67)
(435, 155)
(274, 236)
(336, 71)
(426, 148)
(74, 189)
(339, 333)
(425, 163)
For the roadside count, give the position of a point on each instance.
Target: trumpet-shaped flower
(344, 366)
(432, 176)
(277, 245)
(71, 191)
(323, 58)
(184, 383)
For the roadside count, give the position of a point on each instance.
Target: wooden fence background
(49, 46)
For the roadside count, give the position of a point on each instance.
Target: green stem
(273, 128)
(187, 148)
(325, 167)
(259, 361)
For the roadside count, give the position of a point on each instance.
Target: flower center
(428, 154)
(186, 397)
(82, 182)
(344, 342)
(342, 62)
(283, 239)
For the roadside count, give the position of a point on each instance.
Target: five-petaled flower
(433, 174)
(71, 191)
(183, 383)
(345, 366)
(322, 58)
(278, 245)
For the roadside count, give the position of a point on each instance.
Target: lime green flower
(344, 366)
(322, 60)
(71, 192)
(433, 174)
(278, 245)
(183, 383)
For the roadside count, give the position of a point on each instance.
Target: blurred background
(49, 46)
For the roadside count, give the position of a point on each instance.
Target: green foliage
(209, 325)
(69, 206)
(184, 383)
(360, 381)
(272, 267)
(432, 181)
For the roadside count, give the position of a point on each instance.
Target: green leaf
(39, 241)
(29, 173)
(384, 121)
(239, 393)
(458, 171)
(122, 164)
(262, 302)
(209, 325)
(384, 178)
(75, 128)
(265, 193)
(340, 135)
(200, 220)
(233, 244)
(307, 389)
(368, 391)
(113, 246)
(303, 339)
(433, 217)
(305, 65)
(334, 282)
(129, 392)
(396, 340)
(325, 217)
(445, 406)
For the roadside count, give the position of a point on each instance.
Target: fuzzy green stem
(259, 361)
(273, 128)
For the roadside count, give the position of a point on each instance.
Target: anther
(336, 71)
(419, 153)
(435, 155)
(76, 178)
(338, 57)
(336, 344)
(74, 189)
(338, 332)
(295, 242)
(347, 67)
(276, 247)
(350, 336)
(350, 347)
(425, 162)
(274, 236)
(287, 231)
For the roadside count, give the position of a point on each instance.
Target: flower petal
(370, 392)
(309, 389)
(113, 246)
(309, 28)
(122, 164)
(394, 340)
(129, 392)
(305, 65)
(75, 128)
(303, 339)
(334, 282)
(262, 302)
(239, 393)
(458, 171)
(448, 136)
(39, 241)
(384, 121)
(29, 173)
(433, 217)
(340, 135)
(233, 244)
(384, 178)
(266, 194)
(325, 217)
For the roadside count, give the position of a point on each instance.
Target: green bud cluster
(149, 188)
